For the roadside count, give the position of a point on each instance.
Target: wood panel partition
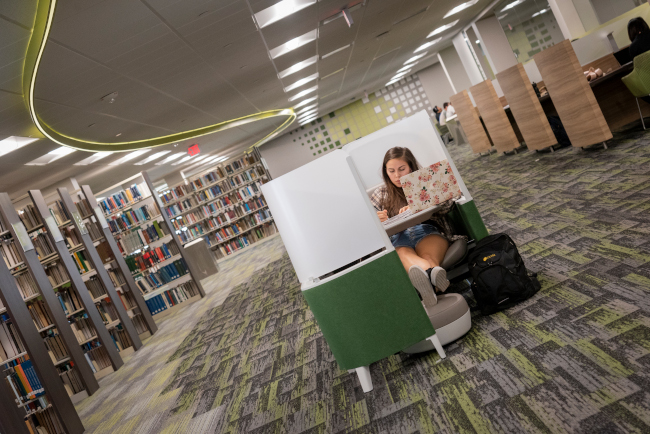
(572, 96)
(468, 116)
(526, 108)
(494, 116)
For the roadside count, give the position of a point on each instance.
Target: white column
(444, 68)
(567, 18)
(495, 44)
(467, 58)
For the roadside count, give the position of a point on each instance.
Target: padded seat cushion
(455, 253)
(449, 308)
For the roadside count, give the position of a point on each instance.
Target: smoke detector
(110, 98)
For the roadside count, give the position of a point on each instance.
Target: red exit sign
(193, 150)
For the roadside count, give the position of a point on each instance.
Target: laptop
(430, 186)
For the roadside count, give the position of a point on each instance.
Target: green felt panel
(369, 313)
(468, 220)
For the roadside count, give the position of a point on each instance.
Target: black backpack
(558, 129)
(500, 279)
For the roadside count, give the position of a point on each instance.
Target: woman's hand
(403, 209)
(383, 215)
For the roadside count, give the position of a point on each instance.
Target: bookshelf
(43, 303)
(224, 205)
(154, 257)
(77, 290)
(29, 374)
(132, 296)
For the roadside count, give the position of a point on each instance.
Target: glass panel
(529, 25)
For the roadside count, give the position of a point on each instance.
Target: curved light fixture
(40, 33)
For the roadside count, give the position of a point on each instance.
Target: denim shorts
(413, 235)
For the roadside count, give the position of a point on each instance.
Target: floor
(573, 359)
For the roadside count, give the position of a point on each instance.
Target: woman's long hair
(635, 26)
(395, 199)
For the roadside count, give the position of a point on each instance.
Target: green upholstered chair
(444, 132)
(638, 81)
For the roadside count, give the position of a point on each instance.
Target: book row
(143, 261)
(124, 198)
(162, 276)
(172, 297)
(136, 240)
(129, 219)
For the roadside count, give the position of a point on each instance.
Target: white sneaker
(439, 279)
(420, 279)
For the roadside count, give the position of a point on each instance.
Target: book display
(41, 363)
(223, 205)
(89, 303)
(152, 258)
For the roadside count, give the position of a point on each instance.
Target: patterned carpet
(573, 359)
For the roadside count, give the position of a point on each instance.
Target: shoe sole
(440, 281)
(420, 280)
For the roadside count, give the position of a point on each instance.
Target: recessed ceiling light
(118, 134)
(414, 58)
(460, 7)
(305, 102)
(301, 82)
(150, 158)
(502, 17)
(294, 43)
(171, 158)
(401, 74)
(93, 158)
(303, 93)
(182, 160)
(306, 109)
(543, 11)
(392, 81)
(280, 10)
(442, 29)
(335, 51)
(308, 114)
(407, 67)
(128, 157)
(51, 156)
(12, 143)
(427, 45)
(512, 5)
(478, 42)
(306, 121)
(298, 67)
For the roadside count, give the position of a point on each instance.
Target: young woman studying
(422, 247)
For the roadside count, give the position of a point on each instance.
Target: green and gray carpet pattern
(573, 359)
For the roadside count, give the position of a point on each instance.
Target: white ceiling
(184, 64)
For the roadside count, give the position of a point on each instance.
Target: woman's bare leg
(409, 257)
(432, 249)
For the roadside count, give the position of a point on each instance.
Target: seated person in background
(422, 247)
(437, 111)
(451, 111)
(639, 33)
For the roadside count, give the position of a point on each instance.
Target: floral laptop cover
(430, 186)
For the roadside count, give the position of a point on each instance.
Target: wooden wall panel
(468, 117)
(526, 108)
(494, 116)
(572, 96)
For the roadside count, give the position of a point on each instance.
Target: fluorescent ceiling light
(301, 82)
(280, 10)
(51, 156)
(303, 93)
(478, 42)
(306, 121)
(331, 53)
(543, 11)
(93, 158)
(392, 82)
(150, 158)
(298, 67)
(294, 43)
(427, 45)
(442, 29)
(128, 157)
(308, 114)
(305, 102)
(171, 158)
(400, 75)
(512, 5)
(407, 67)
(306, 109)
(12, 143)
(222, 159)
(414, 58)
(182, 160)
(460, 7)
(502, 17)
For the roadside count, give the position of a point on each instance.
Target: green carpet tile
(573, 359)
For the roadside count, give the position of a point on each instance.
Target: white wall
(466, 57)
(436, 85)
(281, 157)
(495, 43)
(609, 9)
(455, 68)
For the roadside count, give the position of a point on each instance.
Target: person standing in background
(443, 116)
(436, 111)
(639, 34)
(449, 109)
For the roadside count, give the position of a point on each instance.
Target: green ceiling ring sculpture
(42, 25)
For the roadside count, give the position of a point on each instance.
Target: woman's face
(396, 168)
